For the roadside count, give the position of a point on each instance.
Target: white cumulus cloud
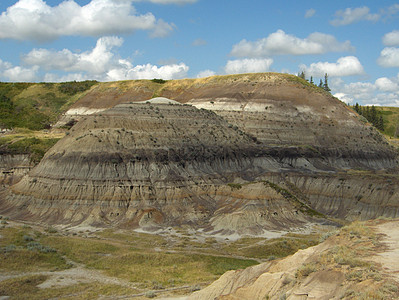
(20, 74)
(205, 73)
(280, 43)
(101, 63)
(36, 20)
(345, 66)
(16, 73)
(248, 65)
(387, 85)
(391, 38)
(389, 57)
(344, 97)
(95, 62)
(384, 91)
(148, 71)
(353, 15)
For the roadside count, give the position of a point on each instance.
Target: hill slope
(274, 149)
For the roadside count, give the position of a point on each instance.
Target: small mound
(160, 100)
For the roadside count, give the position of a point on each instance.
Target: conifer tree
(321, 84)
(325, 85)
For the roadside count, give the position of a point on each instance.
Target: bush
(235, 186)
(73, 87)
(156, 80)
(305, 270)
(36, 246)
(51, 230)
(27, 238)
(150, 294)
(9, 248)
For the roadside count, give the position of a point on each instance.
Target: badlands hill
(241, 153)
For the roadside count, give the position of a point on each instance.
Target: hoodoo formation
(229, 154)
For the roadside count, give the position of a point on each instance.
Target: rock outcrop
(13, 167)
(240, 153)
(156, 163)
(342, 267)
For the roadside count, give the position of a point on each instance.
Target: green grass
(390, 116)
(26, 288)
(21, 144)
(37, 106)
(16, 253)
(135, 260)
(272, 248)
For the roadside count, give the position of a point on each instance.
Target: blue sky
(355, 42)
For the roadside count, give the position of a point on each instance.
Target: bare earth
(389, 259)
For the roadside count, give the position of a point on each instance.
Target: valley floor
(41, 262)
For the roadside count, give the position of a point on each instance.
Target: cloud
(205, 73)
(162, 29)
(384, 91)
(49, 77)
(392, 10)
(148, 71)
(389, 57)
(35, 20)
(387, 85)
(345, 66)
(199, 42)
(353, 15)
(19, 74)
(280, 43)
(391, 38)
(101, 63)
(344, 97)
(94, 62)
(310, 13)
(248, 66)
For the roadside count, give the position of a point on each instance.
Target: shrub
(150, 294)
(36, 246)
(27, 238)
(235, 186)
(156, 80)
(305, 270)
(195, 288)
(9, 248)
(51, 230)
(73, 87)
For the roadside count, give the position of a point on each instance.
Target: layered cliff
(242, 153)
(156, 163)
(291, 117)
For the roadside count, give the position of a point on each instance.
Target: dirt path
(389, 259)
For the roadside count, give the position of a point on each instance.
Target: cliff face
(291, 117)
(13, 167)
(244, 154)
(147, 164)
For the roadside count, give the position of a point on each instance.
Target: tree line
(322, 85)
(371, 114)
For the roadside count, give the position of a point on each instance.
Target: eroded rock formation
(243, 154)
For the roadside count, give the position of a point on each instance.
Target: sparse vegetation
(37, 106)
(157, 80)
(20, 144)
(73, 87)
